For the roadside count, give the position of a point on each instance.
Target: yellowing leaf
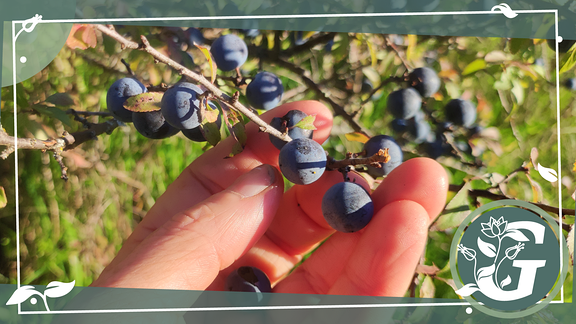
(357, 137)
(568, 61)
(3, 199)
(144, 102)
(211, 62)
(372, 53)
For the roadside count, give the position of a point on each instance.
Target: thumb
(190, 249)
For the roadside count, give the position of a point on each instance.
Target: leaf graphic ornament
(547, 173)
(467, 290)
(22, 294)
(505, 282)
(488, 249)
(57, 289)
(486, 271)
(516, 235)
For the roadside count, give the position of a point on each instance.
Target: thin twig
(475, 193)
(217, 93)
(381, 156)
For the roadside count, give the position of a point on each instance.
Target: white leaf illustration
(547, 173)
(486, 271)
(505, 9)
(467, 290)
(506, 282)
(516, 235)
(22, 294)
(57, 289)
(488, 249)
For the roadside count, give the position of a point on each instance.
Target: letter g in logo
(508, 258)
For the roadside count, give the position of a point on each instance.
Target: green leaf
(144, 102)
(456, 210)
(211, 133)
(3, 199)
(518, 92)
(474, 66)
(306, 123)
(519, 44)
(568, 61)
(109, 45)
(53, 112)
(61, 99)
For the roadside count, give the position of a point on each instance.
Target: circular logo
(509, 258)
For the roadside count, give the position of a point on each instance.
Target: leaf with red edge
(82, 36)
(89, 36)
(144, 102)
(306, 123)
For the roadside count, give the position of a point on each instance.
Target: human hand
(220, 214)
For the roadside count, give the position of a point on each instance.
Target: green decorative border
(454, 254)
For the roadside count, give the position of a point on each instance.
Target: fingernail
(255, 181)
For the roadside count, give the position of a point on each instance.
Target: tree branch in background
(338, 109)
(216, 92)
(67, 141)
(475, 193)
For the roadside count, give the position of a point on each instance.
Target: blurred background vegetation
(70, 230)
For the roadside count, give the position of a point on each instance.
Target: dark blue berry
(302, 161)
(117, 94)
(347, 207)
(290, 119)
(229, 52)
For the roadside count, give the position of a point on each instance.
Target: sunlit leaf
(144, 102)
(307, 123)
(3, 199)
(372, 51)
(213, 67)
(568, 61)
(82, 36)
(456, 210)
(488, 249)
(536, 189)
(357, 137)
(534, 157)
(474, 66)
(427, 289)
